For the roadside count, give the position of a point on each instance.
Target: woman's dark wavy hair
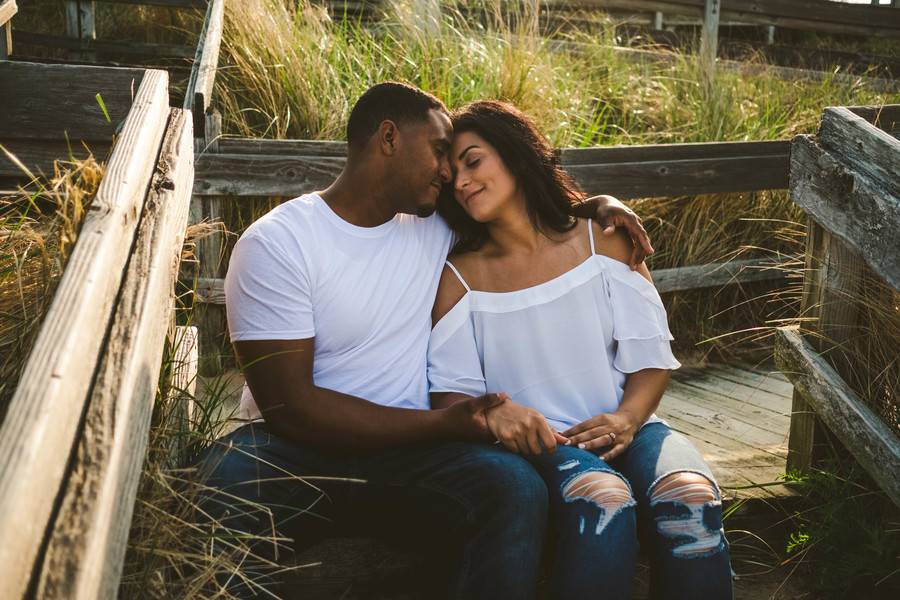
(549, 191)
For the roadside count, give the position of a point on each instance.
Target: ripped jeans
(661, 491)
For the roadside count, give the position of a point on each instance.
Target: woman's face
(482, 184)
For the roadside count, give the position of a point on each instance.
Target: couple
(465, 406)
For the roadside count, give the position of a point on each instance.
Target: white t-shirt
(364, 293)
(562, 347)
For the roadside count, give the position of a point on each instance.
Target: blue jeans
(475, 508)
(595, 543)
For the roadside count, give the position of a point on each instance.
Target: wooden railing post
(831, 280)
(209, 318)
(80, 25)
(8, 8)
(709, 39)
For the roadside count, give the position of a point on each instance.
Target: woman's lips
(472, 195)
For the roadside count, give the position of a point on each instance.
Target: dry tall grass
(38, 230)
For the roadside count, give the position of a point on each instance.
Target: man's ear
(387, 137)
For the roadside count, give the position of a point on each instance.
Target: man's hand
(611, 213)
(468, 417)
(614, 431)
(522, 430)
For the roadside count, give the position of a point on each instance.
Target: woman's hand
(612, 430)
(522, 430)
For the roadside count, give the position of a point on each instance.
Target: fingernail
(581, 445)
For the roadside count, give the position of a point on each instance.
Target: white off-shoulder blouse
(562, 347)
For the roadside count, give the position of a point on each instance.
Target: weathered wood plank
(709, 38)
(211, 290)
(127, 48)
(673, 152)
(257, 175)
(38, 434)
(756, 409)
(568, 156)
(38, 155)
(624, 171)
(718, 274)
(8, 9)
(203, 74)
(864, 434)
(210, 250)
(754, 425)
(164, 3)
(80, 25)
(863, 146)
(773, 383)
(241, 145)
(863, 212)
(886, 117)
(86, 549)
(804, 426)
(48, 102)
(183, 385)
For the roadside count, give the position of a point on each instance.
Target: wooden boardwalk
(737, 416)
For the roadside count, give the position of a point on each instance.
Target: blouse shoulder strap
(590, 223)
(458, 276)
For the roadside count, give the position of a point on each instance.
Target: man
(329, 299)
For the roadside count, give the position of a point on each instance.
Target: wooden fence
(81, 33)
(74, 437)
(823, 16)
(847, 179)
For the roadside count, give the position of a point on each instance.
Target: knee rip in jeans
(607, 491)
(692, 535)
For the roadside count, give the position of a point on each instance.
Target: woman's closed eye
(473, 163)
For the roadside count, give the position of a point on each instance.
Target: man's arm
(279, 373)
(611, 213)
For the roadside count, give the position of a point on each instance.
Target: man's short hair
(390, 100)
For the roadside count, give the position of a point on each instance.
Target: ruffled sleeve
(640, 328)
(454, 364)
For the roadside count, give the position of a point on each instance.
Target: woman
(541, 306)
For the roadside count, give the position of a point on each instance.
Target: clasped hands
(525, 431)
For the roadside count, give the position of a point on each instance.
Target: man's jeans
(475, 508)
(595, 546)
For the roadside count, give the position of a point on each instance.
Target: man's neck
(358, 197)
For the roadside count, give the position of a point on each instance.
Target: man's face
(422, 163)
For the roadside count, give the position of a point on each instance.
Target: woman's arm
(643, 389)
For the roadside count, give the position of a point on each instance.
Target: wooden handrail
(41, 425)
(624, 171)
(694, 277)
(848, 180)
(873, 444)
(98, 501)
